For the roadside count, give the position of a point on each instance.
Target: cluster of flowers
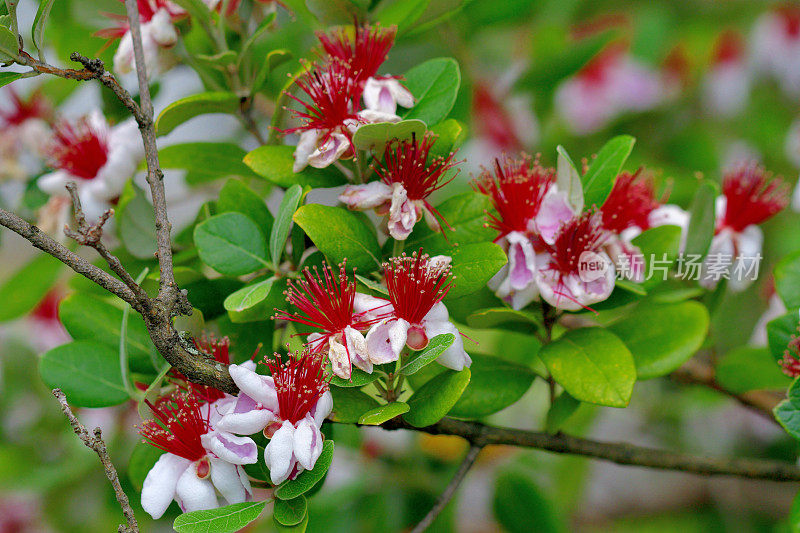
(336, 86)
(202, 430)
(363, 330)
(549, 241)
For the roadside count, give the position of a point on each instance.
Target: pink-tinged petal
(378, 96)
(323, 408)
(553, 213)
(627, 258)
(195, 494)
(796, 198)
(305, 147)
(371, 116)
(246, 417)
(402, 214)
(439, 261)
(231, 448)
(521, 261)
(158, 490)
(307, 442)
(258, 387)
(225, 477)
(366, 196)
(371, 308)
(454, 356)
(279, 453)
(329, 151)
(386, 339)
(357, 348)
(339, 358)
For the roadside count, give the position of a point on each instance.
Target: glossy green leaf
(495, 384)
(748, 368)
(431, 402)
(662, 337)
(274, 163)
(256, 301)
(401, 13)
(9, 46)
(349, 404)
(659, 244)
(505, 318)
(473, 265)
(283, 225)
(788, 411)
(466, 217)
(434, 349)
(225, 519)
(358, 378)
(787, 280)
(593, 365)
(780, 331)
(23, 291)
(187, 108)
(290, 512)
(136, 222)
(376, 136)
(231, 243)
(87, 372)
(379, 415)
(8, 77)
(205, 161)
(304, 482)
(337, 11)
(272, 60)
(599, 178)
(518, 503)
(299, 528)
(434, 85)
(237, 197)
(702, 220)
(221, 61)
(563, 407)
(340, 234)
(143, 457)
(450, 134)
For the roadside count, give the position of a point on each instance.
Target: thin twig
(97, 445)
(449, 491)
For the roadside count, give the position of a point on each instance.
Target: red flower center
(299, 383)
(493, 120)
(22, 110)
(406, 162)
(630, 203)
(584, 233)
(177, 427)
(790, 16)
(752, 197)
(364, 53)
(415, 286)
(729, 48)
(516, 190)
(79, 149)
(217, 348)
(791, 358)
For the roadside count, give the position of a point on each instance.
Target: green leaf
(599, 179)
(373, 285)
(466, 215)
(794, 515)
(434, 349)
(748, 368)
(87, 372)
(136, 222)
(780, 331)
(563, 407)
(205, 161)
(518, 503)
(379, 415)
(274, 163)
(8, 77)
(569, 179)
(220, 520)
(221, 61)
(272, 60)
(290, 512)
(187, 108)
(331, 12)
(237, 197)
(231, 244)
(788, 411)
(434, 85)
(504, 318)
(349, 404)
(431, 402)
(661, 244)
(495, 385)
(787, 279)
(280, 231)
(377, 136)
(304, 482)
(9, 45)
(39, 22)
(401, 13)
(143, 457)
(450, 134)
(256, 301)
(299, 528)
(473, 265)
(702, 219)
(340, 234)
(593, 365)
(662, 337)
(358, 378)
(23, 291)
(196, 8)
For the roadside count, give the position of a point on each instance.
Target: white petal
(357, 348)
(438, 313)
(225, 477)
(339, 358)
(123, 57)
(55, 182)
(258, 387)
(370, 307)
(279, 453)
(329, 151)
(158, 490)
(323, 408)
(668, 215)
(307, 442)
(246, 417)
(232, 448)
(195, 494)
(162, 30)
(553, 213)
(305, 146)
(366, 196)
(371, 116)
(386, 339)
(796, 197)
(402, 214)
(453, 357)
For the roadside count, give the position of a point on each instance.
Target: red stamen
(414, 285)
(729, 48)
(406, 162)
(630, 202)
(21, 110)
(791, 358)
(493, 120)
(364, 53)
(299, 383)
(177, 427)
(790, 16)
(581, 234)
(516, 190)
(752, 197)
(218, 348)
(79, 149)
